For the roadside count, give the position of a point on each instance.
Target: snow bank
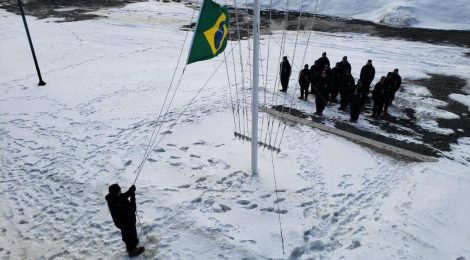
(409, 13)
(464, 99)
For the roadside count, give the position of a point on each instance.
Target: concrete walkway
(386, 148)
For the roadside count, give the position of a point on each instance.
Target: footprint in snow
(303, 190)
(279, 200)
(251, 206)
(175, 163)
(174, 157)
(201, 179)
(355, 244)
(146, 201)
(265, 196)
(184, 148)
(282, 211)
(197, 167)
(151, 160)
(243, 202)
(212, 161)
(196, 200)
(184, 186)
(224, 208)
(308, 203)
(159, 150)
(200, 143)
(194, 156)
(267, 209)
(171, 145)
(251, 242)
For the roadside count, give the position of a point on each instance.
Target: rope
(230, 88)
(293, 64)
(235, 74)
(147, 151)
(303, 61)
(266, 78)
(141, 232)
(283, 41)
(277, 203)
(155, 143)
(242, 70)
(230, 91)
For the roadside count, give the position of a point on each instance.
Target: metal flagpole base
(41, 83)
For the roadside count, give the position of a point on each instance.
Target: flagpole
(41, 82)
(254, 101)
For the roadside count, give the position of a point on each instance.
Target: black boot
(136, 251)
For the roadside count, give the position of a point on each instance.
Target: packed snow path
(63, 144)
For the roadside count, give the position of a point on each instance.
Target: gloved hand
(132, 188)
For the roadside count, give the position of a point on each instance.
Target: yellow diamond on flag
(216, 35)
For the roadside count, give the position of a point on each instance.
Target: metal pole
(254, 101)
(41, 82)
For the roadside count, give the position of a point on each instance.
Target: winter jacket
(345, 66)
(367, 74)
(122, 209)
(322, 61)
(303, 78)
(285, 68)
(379, 92)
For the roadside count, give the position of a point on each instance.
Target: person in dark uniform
(378, 96)
(388, 92)
(315, 73)
(345, 66)
(304, 82)
(122, 207)
(285, 71)
(322, 88)
(345, 89)
(396, 84)
(367, 76)
(336, 81)
(357, 101)
(323, 60)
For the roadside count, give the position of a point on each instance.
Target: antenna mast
(254, 101)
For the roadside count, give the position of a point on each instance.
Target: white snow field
(434, 14)
(64, 143)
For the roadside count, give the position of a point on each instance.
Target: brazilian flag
(210, 37)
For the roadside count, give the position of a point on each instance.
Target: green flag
(210, 37)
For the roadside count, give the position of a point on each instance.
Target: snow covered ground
(434, 14)
(64, 143)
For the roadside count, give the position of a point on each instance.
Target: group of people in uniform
(327, 83)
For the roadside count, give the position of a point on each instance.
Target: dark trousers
(366, 91)
(320, 102)
(334, 91)
(378, 107)
(388, 100)
(129, 236)
(304, 91)
(344, 98)
(284, 82)
(392, 97)
(356, 107)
